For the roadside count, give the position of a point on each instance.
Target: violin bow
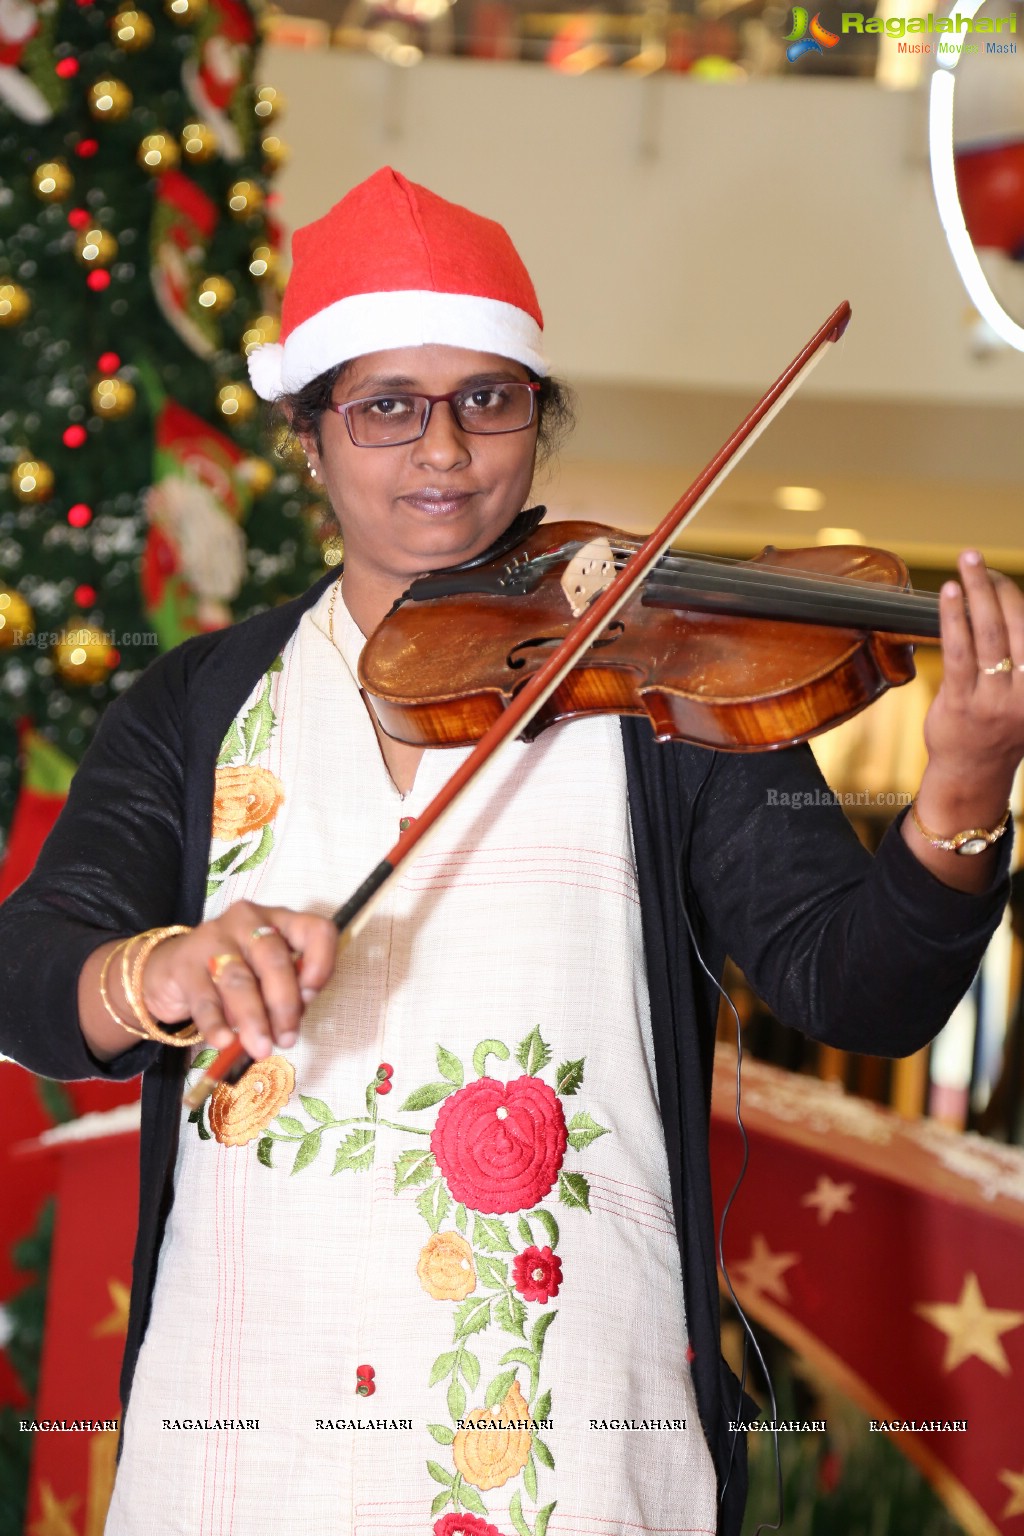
(353, 916)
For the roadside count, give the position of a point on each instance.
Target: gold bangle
(973, 840)
(132, 982)
(105, 996)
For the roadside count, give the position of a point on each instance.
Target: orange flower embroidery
(499, 1446)
(244, 799)
(446, 1268)
(239, 1111)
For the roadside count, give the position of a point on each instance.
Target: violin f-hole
(615, 630)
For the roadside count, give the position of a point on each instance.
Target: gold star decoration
(116, 1321)
(971, 1327)
(764, 1270)
(829, 1199)
(1015, 1504)
(55, 1519)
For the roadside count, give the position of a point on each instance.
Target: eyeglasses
(386, 421)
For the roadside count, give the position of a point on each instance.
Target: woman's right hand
(231, 977)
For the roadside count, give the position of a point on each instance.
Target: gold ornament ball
(257, 474)
(52, 182)
(274, 151)
(263, 331)
(109, 100)
(131, 30)
(199, 142)
(15, 304)
(158, 152)
(185, 12)
(95, 248)
(112, 398)
(32, 480)
(83, 654)
(269, 103)
(216, 294)
(17, 621)
(244, 199)
(236, 402)
(265, 262)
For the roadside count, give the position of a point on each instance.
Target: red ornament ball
(113, 658)
(67, 69)
(86, 148)
(74, 436)
(98, 280)
(79, 218)
(85, 596)
(80, 516)
(108, 362)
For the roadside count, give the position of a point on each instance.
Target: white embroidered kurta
(444, 1215)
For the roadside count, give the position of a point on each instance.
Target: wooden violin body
(736, 655)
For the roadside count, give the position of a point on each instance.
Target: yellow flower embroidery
(496, 1448)
(239, 1111)
(446, 1268)
(244, 799)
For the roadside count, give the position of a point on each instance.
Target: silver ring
(264, 931)
(1006, 665)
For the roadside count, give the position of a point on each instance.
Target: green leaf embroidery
(317, 1108)
(231, 747)
(472, 1315)
(582, 1130)
(510, 1314)
(258, 727)
(491, 1233)
(442, 1501)
(549, 1224)
(372, 1098)
(469, 1365)
(540, 1328)
(413, 1167)
(515, 1514)
(569, 1077)
(460, 1216)
(212, 887)
(309, 1150)
(291, 1126)
(523, 1228)
(277, 665)
(471, 1500)
(442, 1366)
(261, 851)
(542, 1407)
(264, 1151)
(522, 1356)
(530, 1477)
(456, 1399)
(543, 1455)
(532, 1054)
(204, 1134)
(488, 1048)
(433, 1204)
(431, 1093)
(441, 1433)
(573, 1190)
(202, 1060)
(543, 1516)
(439, 1474)
(355, 1154)
(221, 865)
(449, 1066)
(491, 1271)
(498, 1388)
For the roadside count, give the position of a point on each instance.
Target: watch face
(973, 845)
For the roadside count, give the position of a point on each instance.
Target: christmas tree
(142, 496)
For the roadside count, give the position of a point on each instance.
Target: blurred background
(694, 188)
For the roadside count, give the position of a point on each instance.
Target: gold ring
(217, 964)
(264, 931)
(1006, 665)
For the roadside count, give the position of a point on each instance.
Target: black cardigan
(870, 955)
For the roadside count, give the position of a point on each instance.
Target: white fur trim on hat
(375, 322)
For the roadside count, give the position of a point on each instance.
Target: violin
(739, 655)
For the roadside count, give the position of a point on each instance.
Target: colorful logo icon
(799, 43)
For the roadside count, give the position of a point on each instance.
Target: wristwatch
(973, 840)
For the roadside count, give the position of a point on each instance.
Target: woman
(514, 1255)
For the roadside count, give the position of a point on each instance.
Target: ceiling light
(798, 498)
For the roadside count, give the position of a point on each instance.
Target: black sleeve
(109, 868)
(869, 954)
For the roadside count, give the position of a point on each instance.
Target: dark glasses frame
(429, 401)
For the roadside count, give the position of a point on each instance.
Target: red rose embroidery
(500, 1145)
(538, 1274)
(464, 1525)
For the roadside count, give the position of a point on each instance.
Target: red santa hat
(394, 265)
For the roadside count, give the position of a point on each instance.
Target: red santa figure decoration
(213, 77)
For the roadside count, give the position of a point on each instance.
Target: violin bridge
(588, 573)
